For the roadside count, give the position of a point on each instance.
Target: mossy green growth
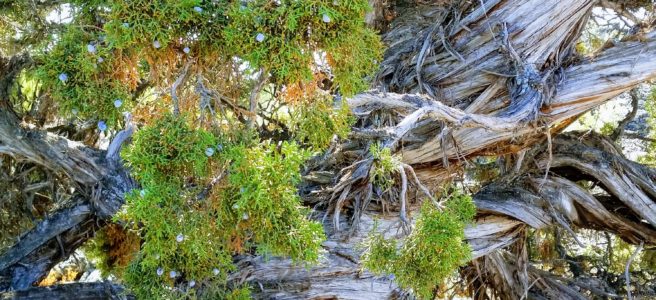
(112, 248)
(80, 74)
(315, 123)
(168, 152)
(284, 39)
(253, 208)
(241, 293)
(384, 166)
(157, 24)
(262, 193)
(433, 250)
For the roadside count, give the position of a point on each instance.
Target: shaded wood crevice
(100, 184)
(477, 101)
(82, 291)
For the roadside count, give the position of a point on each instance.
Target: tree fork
(465, 75)
(102, 183)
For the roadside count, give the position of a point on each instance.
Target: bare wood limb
(402, 196)
(629, 117)
(620, 10)
(45, 231)
(174, 88)
(627, 277)
(107, 181)
(255, 94)
(122, 136)
(640, 137)
(51, 151)
(86, 291)
(418, 183)
(586, 86)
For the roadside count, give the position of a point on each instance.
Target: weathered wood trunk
(82, 291)
(498, 78)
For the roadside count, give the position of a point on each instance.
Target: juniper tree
(351, 149)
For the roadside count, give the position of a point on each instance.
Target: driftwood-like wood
(48, 229)
(585, 86)
(505, 210)
(82, 291)
(102, 183)
(496, 77)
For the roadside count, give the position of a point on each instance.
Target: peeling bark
(82, 291)
(101, 181)
(500, 77)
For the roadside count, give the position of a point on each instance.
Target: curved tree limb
(626, 270)
(101, 181)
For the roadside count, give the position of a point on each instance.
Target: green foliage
(91, 87)
(648, 259)
(622, 251)
(139, 39)
(612, 259)
(262, 193)
(256, 206)
(17, 217)
(353, 54)
(24, 92)
(384, 166)
(139, 24)
(292, 33)
(169, 147)
(294, 30)
(380, 254)
(13, 221)
(431, 253)
(112, 49)
(316, 123)
(112, 248)
(243, 293)
(22, 25)
(589, 44)
(607, 128)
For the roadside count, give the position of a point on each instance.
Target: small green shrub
(262, 190)
(384, 166)
(242, 293)
(169, 151)
(432, 251)
(284, 38)
(254, 208)
(379, 253)
(84, 84)
(316, 122)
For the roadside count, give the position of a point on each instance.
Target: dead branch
(87, 290)
(255, 94)
(626, 270)
(629, 117)
(178, 81)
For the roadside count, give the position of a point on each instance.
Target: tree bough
(459, 80)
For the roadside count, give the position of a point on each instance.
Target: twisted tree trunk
(499, 78)
(100, 183)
